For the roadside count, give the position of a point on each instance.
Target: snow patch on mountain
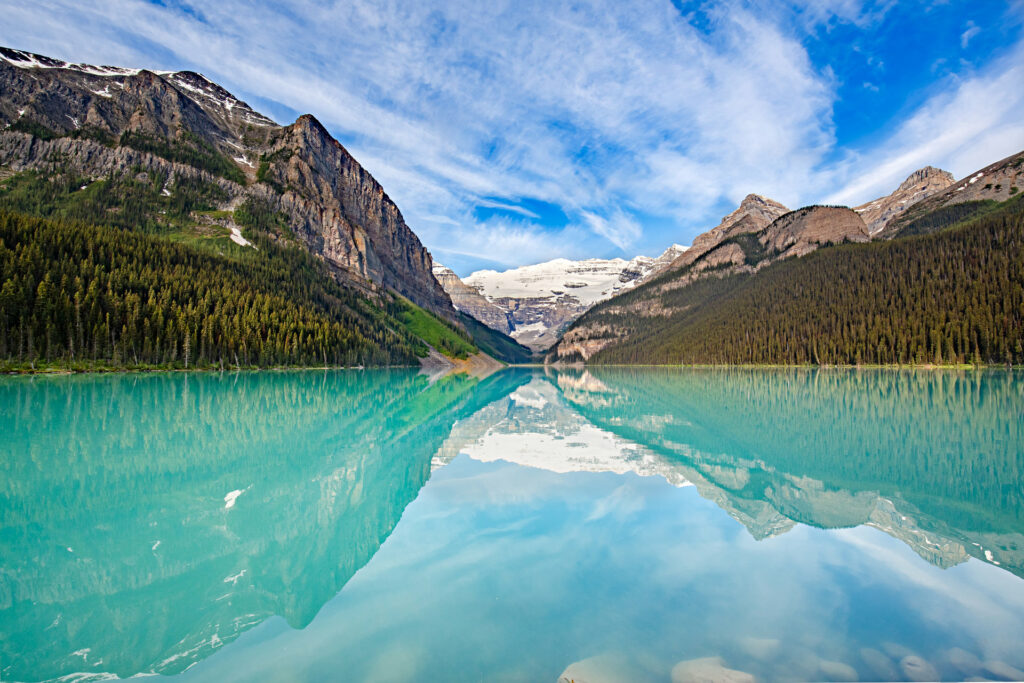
(539, 301)
(27, 60)
(589, 281)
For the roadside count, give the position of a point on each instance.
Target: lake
(536, 525)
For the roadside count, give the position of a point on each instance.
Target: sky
(514, 132)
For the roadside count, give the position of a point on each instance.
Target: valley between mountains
(153, 220)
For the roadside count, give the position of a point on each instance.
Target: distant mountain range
(533, 304)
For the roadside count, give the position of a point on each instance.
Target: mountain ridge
(177, 156)
(533, 303)
(918, 186)
(728, 262)
(334, 205)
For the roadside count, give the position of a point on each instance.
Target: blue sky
(515, 132)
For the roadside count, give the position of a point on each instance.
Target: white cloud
(966, 36)
(619, 229)
(503, 206)
(969, 126)
(584, 106)
(604, 109)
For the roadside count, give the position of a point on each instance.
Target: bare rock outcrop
(804, 230)
(96, 119)
(752, 215)
(921, 184)
(471, 302)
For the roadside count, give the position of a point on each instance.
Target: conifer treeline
(956, 296)
(74, 292)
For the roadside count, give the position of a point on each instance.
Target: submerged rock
(917, 669)
(1004, 670)
(603, 668)
(837, 671)
(966, 662)
(880, 664)
(708, 670)
(760, 648)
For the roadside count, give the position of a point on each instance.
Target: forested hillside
(75, 295)
(183, 229)
(952, 295)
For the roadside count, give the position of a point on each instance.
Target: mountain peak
(928, 174)
(918, 186)
(752, 201)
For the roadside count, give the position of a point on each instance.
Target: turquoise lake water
(601, 525)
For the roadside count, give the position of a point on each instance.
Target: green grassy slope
(440, 334)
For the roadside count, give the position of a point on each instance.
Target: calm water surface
(610, 525)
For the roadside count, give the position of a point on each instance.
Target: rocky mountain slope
(760, 232)
(920, 185)
(101, 120)
(754, 213)
(996, 182)
(718, 272)
(471, 302)
(533, 304)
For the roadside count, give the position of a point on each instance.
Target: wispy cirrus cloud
(612, 112)
(973, 123)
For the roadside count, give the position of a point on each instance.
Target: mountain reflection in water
(149, 521)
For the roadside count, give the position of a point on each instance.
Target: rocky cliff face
(801, 232)
(920, 185)
(333, 205)
(997, 182)
(471, 302)
(538, 301)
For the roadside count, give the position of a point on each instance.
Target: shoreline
(57, 370)
(218, 370)
(782, 366)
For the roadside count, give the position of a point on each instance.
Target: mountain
(920, 185)
(754, 213)
(758, 233)
(471, 302)
(162, 121)
(534, 303)
(173, 157)
(739, 296)
(985, 189)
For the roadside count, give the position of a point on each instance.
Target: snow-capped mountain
(540, 300)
